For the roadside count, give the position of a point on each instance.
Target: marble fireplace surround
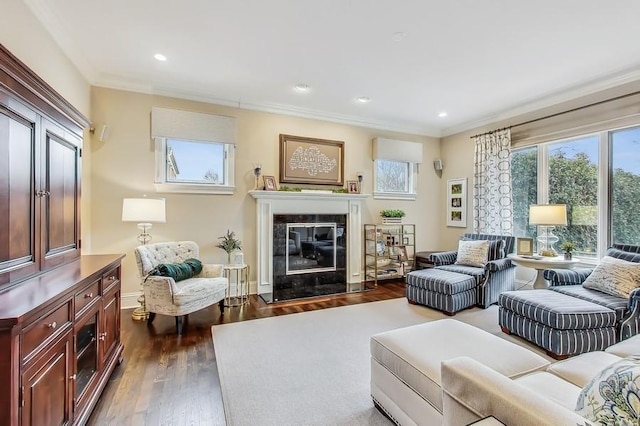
(269, 203)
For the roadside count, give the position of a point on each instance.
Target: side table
(540, 263)
(238, 276)
(422, 261)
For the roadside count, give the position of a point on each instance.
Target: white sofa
(472, 391)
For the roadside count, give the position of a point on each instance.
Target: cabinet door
(18, 255)
(61, 202)
(111, 322)
(86, 356)
(46, 386)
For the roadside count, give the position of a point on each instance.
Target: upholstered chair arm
(443, 258)
(158, 291)
(498, 265)
(472, 391)
(630, 325)
(210, 270)
(567, 276)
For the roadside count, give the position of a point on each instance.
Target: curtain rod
(546, 117)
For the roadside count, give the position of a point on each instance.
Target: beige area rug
(312, 368)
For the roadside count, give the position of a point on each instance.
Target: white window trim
(163, 186)
(412, 193)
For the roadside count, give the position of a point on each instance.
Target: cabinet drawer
(44, 328)
(84, 297)
(110, 278)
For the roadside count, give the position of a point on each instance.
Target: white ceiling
(477, 60)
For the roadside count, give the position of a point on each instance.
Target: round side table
(540, 263)
(238, 276)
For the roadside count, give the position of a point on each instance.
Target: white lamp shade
(143, 210)
(548, 214)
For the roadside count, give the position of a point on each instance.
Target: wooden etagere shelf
(389, 251)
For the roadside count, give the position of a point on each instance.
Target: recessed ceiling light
(442, 114)
(363, 99)
(398, 36)
(302, 87)
(160, 57)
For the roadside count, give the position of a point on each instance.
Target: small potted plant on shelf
(568, 247)
(391, 216)
(229, 244)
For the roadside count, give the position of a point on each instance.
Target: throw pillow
(178, 271)
(473, 253)
(496, 248)
(613, 276)
(613, 395)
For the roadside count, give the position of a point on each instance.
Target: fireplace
(309, 255)
(308, 244)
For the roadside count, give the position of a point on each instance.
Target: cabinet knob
(103, 336)
(88, 295)
(52, 325)
(72, 377)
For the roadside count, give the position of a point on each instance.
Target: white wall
(124, 167)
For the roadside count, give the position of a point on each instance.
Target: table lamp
(144, 211)
(547, 216)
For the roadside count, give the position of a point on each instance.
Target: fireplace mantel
(269, 203)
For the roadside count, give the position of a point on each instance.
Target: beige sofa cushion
(630, 346)
(581, 369)
(413, 354)
(552, 387)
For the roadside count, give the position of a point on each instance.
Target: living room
(123, 163)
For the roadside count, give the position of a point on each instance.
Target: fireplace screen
(312, 247)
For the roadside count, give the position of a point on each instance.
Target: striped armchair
(497, 276)
(569, 319)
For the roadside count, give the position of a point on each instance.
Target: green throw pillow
(178, 271)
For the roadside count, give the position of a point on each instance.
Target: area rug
(312, 368)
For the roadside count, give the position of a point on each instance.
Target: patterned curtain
(492, 199)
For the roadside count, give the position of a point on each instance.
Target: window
(195, 152)
(625, 183)
(395, 169)
(601, 199)
(194, 166)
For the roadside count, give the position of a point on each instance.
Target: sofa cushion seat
(413, 354)
(581, 369)
(557, 310)
(630, 346)
(615, 303)
(552, 387)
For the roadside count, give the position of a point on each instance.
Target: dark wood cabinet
(59, 311)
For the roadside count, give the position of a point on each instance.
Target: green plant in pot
(229, 244)
(568, 247)
(392, 215)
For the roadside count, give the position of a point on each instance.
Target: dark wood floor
(167, 379)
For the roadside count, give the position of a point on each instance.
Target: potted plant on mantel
(391, 216)
(568, 247)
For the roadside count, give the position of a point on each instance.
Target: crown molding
(118, 83)
(44, 11)
(606, 83)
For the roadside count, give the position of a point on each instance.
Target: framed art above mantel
(311, 161)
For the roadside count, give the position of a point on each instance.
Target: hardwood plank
(171, 379)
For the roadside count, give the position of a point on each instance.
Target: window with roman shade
(395, 168)
(195, 152)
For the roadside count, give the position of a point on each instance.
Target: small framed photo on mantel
(353, 187)
(269, 183)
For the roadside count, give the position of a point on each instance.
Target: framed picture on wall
(457, 202)
(311, 160)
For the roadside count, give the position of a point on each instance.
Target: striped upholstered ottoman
(561, 324)
(446, 291)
